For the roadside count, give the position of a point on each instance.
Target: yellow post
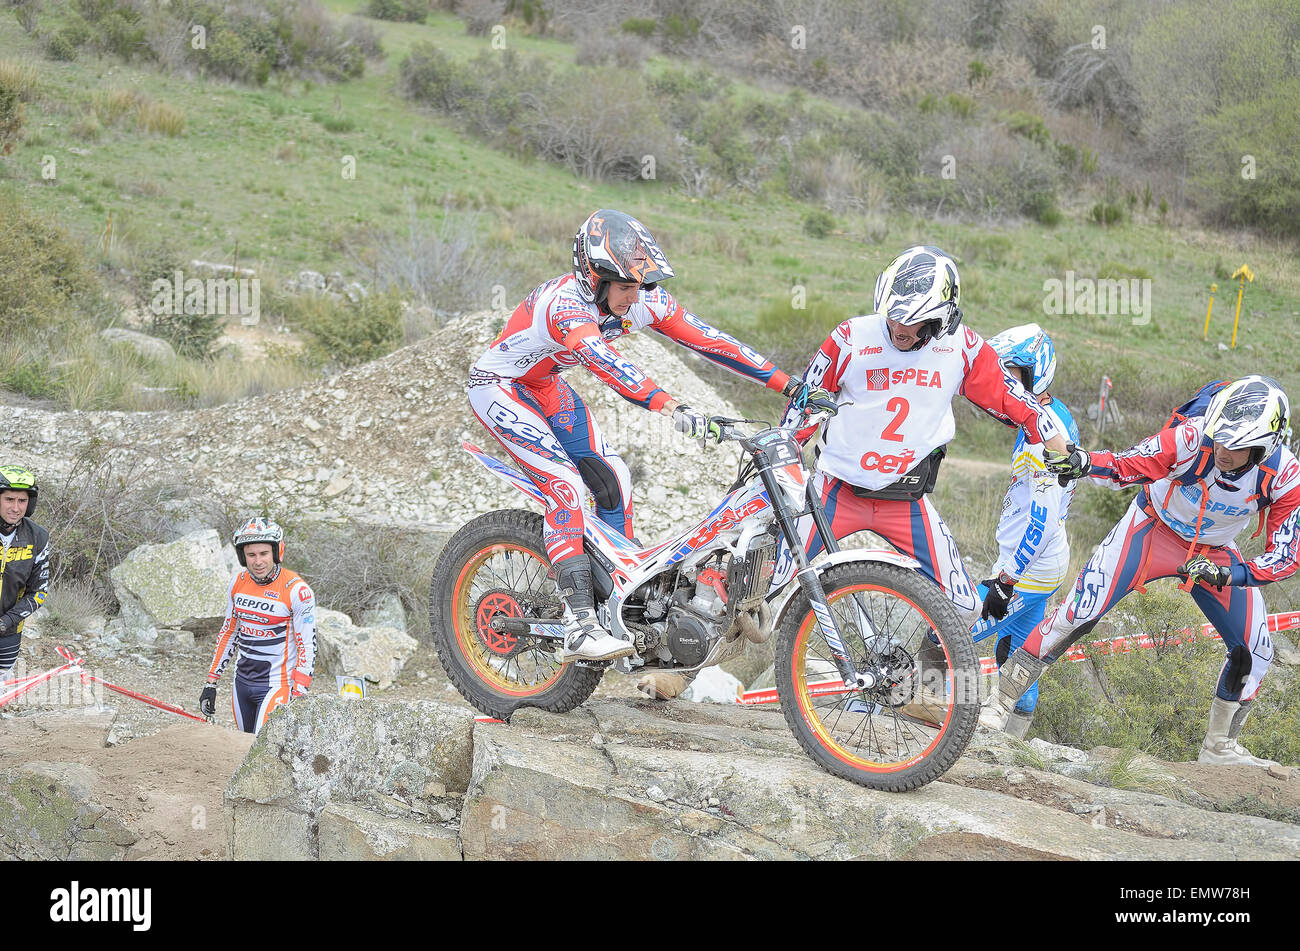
(1244, 273)
(1206, 333)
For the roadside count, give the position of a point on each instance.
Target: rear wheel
(497, 565)
(911, 727)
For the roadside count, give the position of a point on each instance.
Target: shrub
(162, 118)
(60, 48)
(13, 116)
(819, 223)
(643, 27)
(443, 269)
(409, 11)
(346, 334)
(1030, 127)
(97, 512)
(1041, 206)
(21, 76)
(45, 279)
(1107, 213)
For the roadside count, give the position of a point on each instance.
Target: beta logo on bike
(728, 519)
(887, 464)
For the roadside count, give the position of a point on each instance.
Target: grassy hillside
(258, 171)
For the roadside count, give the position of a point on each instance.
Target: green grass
(230, 180)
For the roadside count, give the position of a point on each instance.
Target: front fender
(780, 599)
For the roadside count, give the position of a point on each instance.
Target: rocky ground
(395, 777)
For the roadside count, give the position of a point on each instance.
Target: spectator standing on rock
(24, 561)
(517, 393)
(271, 621)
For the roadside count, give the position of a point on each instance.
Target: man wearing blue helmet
(1034, 554)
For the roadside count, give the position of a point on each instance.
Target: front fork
(812, 585)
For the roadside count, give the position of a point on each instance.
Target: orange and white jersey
(554, 329)
(895, 407)
(273, 626)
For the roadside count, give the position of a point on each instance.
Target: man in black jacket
(24, 561)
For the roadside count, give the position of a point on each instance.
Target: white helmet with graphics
(921, 287)
(1251, 413)
(1030, 350)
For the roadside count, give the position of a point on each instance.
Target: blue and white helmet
(1028, 346)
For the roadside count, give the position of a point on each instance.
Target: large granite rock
(180, 584)
(50, 811)
(407, 759)
(630, 781)
(375, 653)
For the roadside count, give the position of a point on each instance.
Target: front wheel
(497, 564)
(911, 727)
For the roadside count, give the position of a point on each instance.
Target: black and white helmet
(259, 530)
(613, 246)
(921, 286)
(1251, 413)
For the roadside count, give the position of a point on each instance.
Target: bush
(45, 279)
(1108, 213)
(346, 334)
(100, 510)
(59, 47)
(160, 117)
(1041, 206)
(409, 11)
(442, 269)
(643, 27)
(13, 116)
(819, 223)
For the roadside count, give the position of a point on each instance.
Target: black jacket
(24, 575)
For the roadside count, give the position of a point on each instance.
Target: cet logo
(878, 379)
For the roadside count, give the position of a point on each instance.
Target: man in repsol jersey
(271, 621)
(1202, 481)
(517, 392)
(894, 374)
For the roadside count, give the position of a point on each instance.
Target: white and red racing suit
(517, 393)
(273, 626)
(895, 408)
(1186, 507)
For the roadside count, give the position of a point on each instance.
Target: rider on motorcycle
(895, 373)
(517, 393)
(1202, 481)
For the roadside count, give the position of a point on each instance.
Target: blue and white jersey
(1031, 531)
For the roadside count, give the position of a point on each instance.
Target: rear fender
(781, 599)
(503, 471)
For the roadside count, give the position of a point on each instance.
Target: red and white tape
(13, 689)
(1286, 621)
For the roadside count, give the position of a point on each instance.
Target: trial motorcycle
(876, 674)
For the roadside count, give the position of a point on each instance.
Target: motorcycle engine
(688, 638)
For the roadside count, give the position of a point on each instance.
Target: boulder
(375, 653)
(49, 811)
(388, 611)
(180, 584)
(150, 347)
(722, 782)
(351, 833)
(412, 757)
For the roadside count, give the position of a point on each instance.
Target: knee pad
(602, 481)
(1238, 669)
(1003, 651)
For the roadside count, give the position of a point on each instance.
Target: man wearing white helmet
(1202, 480)
(894, 375)
(517, 391)
(271, 621)
(1034, 554)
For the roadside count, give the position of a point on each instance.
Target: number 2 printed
(899, 406)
